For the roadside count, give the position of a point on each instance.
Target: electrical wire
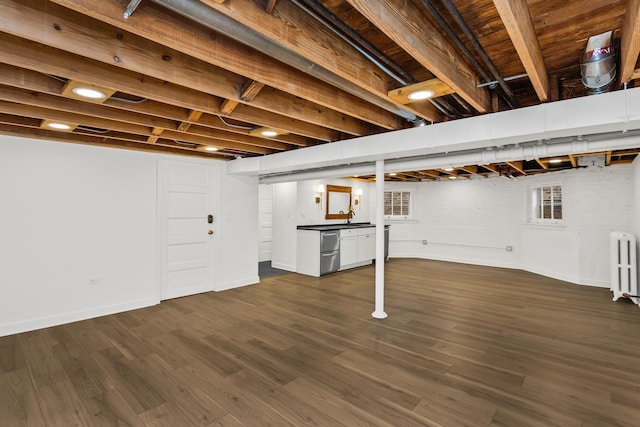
(130, 101)
(237, 126)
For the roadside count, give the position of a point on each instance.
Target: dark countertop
(330, 227)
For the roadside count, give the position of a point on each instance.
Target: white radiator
(624, 278)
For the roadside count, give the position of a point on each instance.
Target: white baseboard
(547, 273)
(60, 319)
(287, 267)
(458, 260)
(238, 284)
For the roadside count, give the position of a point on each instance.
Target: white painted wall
(473, 221)
(636, 207)
(265, 219)
(72, 213)
(285, 213)
(238, 231)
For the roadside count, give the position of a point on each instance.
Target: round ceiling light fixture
(211, 148)
(268, 132)
(555, 161)
(87, 92)
(421, 94)
(59, 126)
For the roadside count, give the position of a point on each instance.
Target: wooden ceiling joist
(149, 113)
(517, 20)
(193, 116)
(473, 170)
(630, 41)
(223, 52)
(79, 35)
(407, 26)
(294, 29)
(517, 166)
(37, 57)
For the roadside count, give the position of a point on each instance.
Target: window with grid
(397, 204)
(548, 203)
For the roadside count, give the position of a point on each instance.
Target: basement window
(397, 204)
(547, 204)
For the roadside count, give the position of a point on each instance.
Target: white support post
(379, 310)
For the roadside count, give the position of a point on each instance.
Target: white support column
(379, 311)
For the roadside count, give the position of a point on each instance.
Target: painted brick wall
(473, 221)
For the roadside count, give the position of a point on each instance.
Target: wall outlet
(509, 248)
(94, 281)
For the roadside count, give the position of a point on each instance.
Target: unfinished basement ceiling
(188, 76)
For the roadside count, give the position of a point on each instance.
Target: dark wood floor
(463, 345)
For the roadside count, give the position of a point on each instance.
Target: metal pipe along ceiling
(210, 18)
(480, 157)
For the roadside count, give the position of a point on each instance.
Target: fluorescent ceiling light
(421, 94)
(87, 92)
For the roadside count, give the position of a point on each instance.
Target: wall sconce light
(319, 191)
(357, 196)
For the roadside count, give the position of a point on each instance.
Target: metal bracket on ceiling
(133, 4)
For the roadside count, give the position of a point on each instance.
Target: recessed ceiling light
(448, 169)
(268, 132)
(59, 126)
(393, 174)
(420, 94)
(452, 177)
(555, 161)
(87, 92)
(211, 148)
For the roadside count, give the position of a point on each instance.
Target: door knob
(210, 232)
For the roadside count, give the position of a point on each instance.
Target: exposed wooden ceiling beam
(37, 21)
(542, 164)
(407, 26)
(473, 170)
(38, 57)
(517, 166)
(573, 160)
(194, 116)
(197, 41)
(153, 112)
(630, 43)
(491, 168)
(155, 134)
(517, 20)
(607, 160)
(104, 112)
(294, 29)
(271, 4)
(101, 141)
(100, 123)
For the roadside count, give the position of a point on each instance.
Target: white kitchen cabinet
(366, 244)
(348, 247)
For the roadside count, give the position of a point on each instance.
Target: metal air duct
(598, 64)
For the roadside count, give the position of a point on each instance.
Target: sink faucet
(350, 213)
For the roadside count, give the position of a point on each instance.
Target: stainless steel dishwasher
(329, 251)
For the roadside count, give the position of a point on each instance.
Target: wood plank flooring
(462, 346)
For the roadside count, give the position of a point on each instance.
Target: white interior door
(265, 207)
(186, 199)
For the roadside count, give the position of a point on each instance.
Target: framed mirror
(338, 202)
